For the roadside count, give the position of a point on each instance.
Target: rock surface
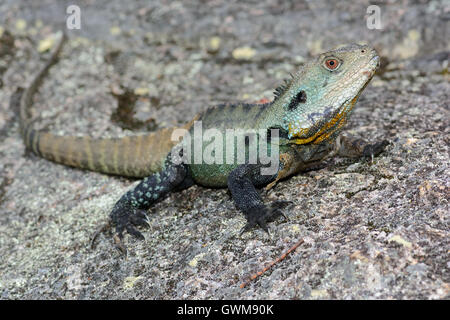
(372, 229)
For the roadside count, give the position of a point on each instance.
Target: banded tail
(134, 156)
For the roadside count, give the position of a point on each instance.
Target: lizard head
(317, 101)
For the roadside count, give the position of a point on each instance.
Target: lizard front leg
(352, 147)
(241, 183)
(129, 211)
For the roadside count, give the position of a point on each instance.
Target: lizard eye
(332, 64)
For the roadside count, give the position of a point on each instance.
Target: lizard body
(307, 115)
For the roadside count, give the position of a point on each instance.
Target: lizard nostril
(363, 51)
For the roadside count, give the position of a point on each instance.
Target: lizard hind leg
(130, 211)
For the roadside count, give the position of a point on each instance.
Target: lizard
(306, 116)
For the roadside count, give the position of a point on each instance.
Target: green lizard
(307, 115)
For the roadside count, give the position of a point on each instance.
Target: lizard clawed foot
(260, 216)
(125, 217)
(375, 149)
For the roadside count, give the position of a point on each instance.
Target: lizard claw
(281, 204)
(134, 232)
(260, 216)
(140, 218)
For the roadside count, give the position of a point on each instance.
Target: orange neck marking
(322, 134)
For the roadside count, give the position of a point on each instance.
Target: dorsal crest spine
(278, 92)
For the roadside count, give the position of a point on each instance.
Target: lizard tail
(134, 156)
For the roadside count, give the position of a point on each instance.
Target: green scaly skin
(308, 113)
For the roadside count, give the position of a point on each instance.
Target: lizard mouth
(327, 128)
